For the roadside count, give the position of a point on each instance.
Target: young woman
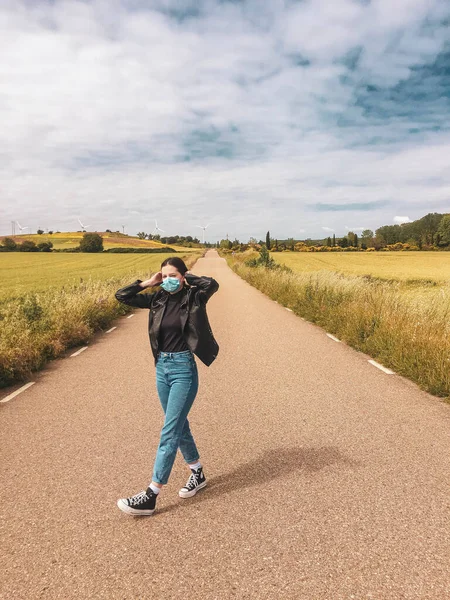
(178, 328)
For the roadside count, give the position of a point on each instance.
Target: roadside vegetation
(52, 302)
(404, 326)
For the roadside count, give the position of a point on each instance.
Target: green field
(50, 302)
(409, 267)
(22, 272)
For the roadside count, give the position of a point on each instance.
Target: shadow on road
(270, 465)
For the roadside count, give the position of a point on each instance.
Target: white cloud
(102, 107)
(400, 220)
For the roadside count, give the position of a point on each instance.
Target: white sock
(195, 466)
(154, 488)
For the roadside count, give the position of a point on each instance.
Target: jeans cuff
(193, 460)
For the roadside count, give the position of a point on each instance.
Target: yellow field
(22, 272)
(409, 267)
(50, 302)
(400, 315)
(66, 239)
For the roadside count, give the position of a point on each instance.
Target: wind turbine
(83, 226)
(21, 228)
(201, 227)
(157, 229)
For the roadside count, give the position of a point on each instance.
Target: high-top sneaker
(141, 504)
(196, 482)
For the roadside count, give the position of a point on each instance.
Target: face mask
(171, 284)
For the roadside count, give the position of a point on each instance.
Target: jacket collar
(163, 296)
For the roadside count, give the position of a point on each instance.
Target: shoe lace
(192, 482)
(138, 499)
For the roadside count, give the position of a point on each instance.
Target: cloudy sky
(303, 117)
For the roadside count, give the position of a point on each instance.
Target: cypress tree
(268, 240)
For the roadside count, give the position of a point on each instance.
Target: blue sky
(303, 117)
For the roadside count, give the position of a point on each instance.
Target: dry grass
(410, 333)
(38, 325)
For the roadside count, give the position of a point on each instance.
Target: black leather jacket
(194, 320)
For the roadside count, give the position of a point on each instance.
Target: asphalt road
(327, 478)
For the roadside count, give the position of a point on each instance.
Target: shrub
(9, 244)
(139, 250)
(28, 246)
(91, 242)
(266, 261)
(45, 246)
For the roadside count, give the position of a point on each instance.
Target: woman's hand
(155, 280)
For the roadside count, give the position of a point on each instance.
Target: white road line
(129, 316)
(288, 309)
(112, 329)
(332, 337)
(79, 351)
(375, 364)
(17, 392)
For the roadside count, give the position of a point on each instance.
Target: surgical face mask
(171, 284)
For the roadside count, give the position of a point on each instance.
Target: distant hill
(66, 239)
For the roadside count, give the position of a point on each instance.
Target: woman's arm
(207, 285)
(130, 294)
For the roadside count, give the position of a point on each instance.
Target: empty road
(327, 478)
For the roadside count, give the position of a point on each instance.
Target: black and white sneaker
(141, 504)
(196, 482)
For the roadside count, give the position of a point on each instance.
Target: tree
(356, 240)
(142, 235)
(10, 244)
(328, 241)
(91, 242)
(429, 225)
(334, 239)
(225, 244)
(40, 231)
(268, 240)
(351, 238)
(343, 242)
(366, 238)
(45, 246)
(28, 246)
(389, 234)
(444, 231)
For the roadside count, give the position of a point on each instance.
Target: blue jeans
(177, 385)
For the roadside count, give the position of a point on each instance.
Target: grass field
(22, 272)
(50, 302)
(72, 239)
(422, 268)
(395, 307)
